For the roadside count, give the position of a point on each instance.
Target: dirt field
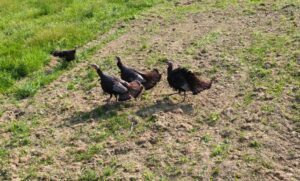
(246, 127)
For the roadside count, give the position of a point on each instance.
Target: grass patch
(89, 175)
(213, 118)
(264, 67)
(255, 144)
(3, 156)
(203, 42)
(29, 30)
(148, 175)
(89, 153)
(20, 133)
(206, 138)
(220, 149)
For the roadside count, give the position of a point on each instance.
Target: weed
(212, 119)
(20, 132)
(3, 155)
(108, 171)
(89, 175)
(248, 97)
(219, 150)
(71, 86)
(206, 138)
(91, 151)
(114, 124)
(26, 91)
(249, 158)
(148, 175)
(255, 144)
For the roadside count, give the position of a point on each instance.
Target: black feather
(67, 55)
(148, 79)
(183, 80)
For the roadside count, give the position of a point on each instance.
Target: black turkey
(183, 80)
(122, 90)
(67, 55)
(148, 79)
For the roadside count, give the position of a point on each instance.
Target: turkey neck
(120, 65)
(99, 72)
(170, 68)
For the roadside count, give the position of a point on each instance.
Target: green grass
(212, 119)
(255, 144)
(206, 138)
(89, 175)
(20, 132)
(220, 149)
(89, 153)
(30, 29)
(203, 42)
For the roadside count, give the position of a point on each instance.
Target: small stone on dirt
(178, 111)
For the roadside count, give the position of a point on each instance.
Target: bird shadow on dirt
(102, 112)
(165, 105)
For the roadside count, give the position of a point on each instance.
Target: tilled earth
(245, 127)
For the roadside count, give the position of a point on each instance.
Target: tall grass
(30, 29)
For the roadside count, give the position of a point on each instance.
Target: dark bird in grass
(183, 80)
(121, 89)
(148, 79)
(67, 55)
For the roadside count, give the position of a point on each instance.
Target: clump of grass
(206, 138)
(3, 154)
(255, 144)
(213, 118)
(71, 86)
(91, 151)
(220, 149)
(89, 175)
(116, 123)
(25, 91)
(249, 97)
(148, 175)
(20, 132)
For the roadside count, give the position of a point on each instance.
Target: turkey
(148, 79)
(183, 80)
(122, 90)
(67, 55)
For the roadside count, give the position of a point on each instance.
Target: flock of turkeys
(133, 82)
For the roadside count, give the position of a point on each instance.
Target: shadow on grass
(111, 110)
(103, 112)
(165, 105)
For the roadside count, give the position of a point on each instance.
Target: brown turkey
(183, 80)
(121, 89)
(148, 79)
(67, 55)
